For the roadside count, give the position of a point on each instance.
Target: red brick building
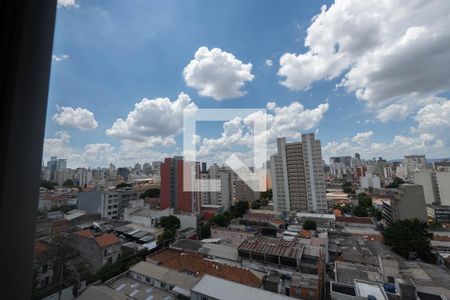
(172, 193)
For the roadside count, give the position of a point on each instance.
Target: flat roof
(313, 215)
(166, 275)
(218, 288)
(135, 289)
(94, 292)
(305, 280)
(347, 272)
(365, 289)
(272, 246)
(220, 251)
(185, 244)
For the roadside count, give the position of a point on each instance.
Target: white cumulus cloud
(390, 53)
(399, 146)
(269, 62)
(362, 137)
(153, 121)
(80, 118)
(217, 74)
(59, 58)
(285, 121)
(435, 118)
(67, 3)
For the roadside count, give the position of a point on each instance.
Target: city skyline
(284, 66)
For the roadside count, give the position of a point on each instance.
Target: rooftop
(198, 266)
(220, 251)
(356, 220)
(218, 288)
(305, 280)
(181, 280)
(94, 292)
(40, 248)
(103, 240)
(318, 216)
(423, 274)
(185, 244)
(365, 289)
(134, 289)
(347, 272)
(272, 246)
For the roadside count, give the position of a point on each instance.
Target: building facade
(297, 173)
(110, 204)
(173, 194)
(414, 163)
(407, 203)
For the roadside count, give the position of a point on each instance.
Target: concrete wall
(443, 180)
(409, 203)
(90, 201)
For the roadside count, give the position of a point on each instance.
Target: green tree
(435, 225)
(239, 209)
(68, 183)
(396, 182)
(267, 194)
(151, 193)
(48, 185)
(406, 236)
(364, 200)
(170, 222)
(220, 220)
(166, 237)
(123, 184)
(60, 252)
(309, 225)
(256, 205)
(205, 231)
(360, 211)
(375, 213)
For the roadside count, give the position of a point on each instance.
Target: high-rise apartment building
(408, 203)
(414, 163)
(173, 194)
(223, 177)
(443, 182)
(297, 176)
(427, 179)
(61, 164)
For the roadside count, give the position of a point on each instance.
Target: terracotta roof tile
(196, 264)
(305, 234)
(107, 239)
(103, 240)
(85, 233)
(39, 248)
(441, 238)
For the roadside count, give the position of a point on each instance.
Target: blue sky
(109, 55)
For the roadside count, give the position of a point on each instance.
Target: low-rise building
(233, 235)
(197, 265)
(180, 284)
(272, 250)
(42, 265)
(97, 249)
(305, 286)
(358, 290)
(211, 288)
